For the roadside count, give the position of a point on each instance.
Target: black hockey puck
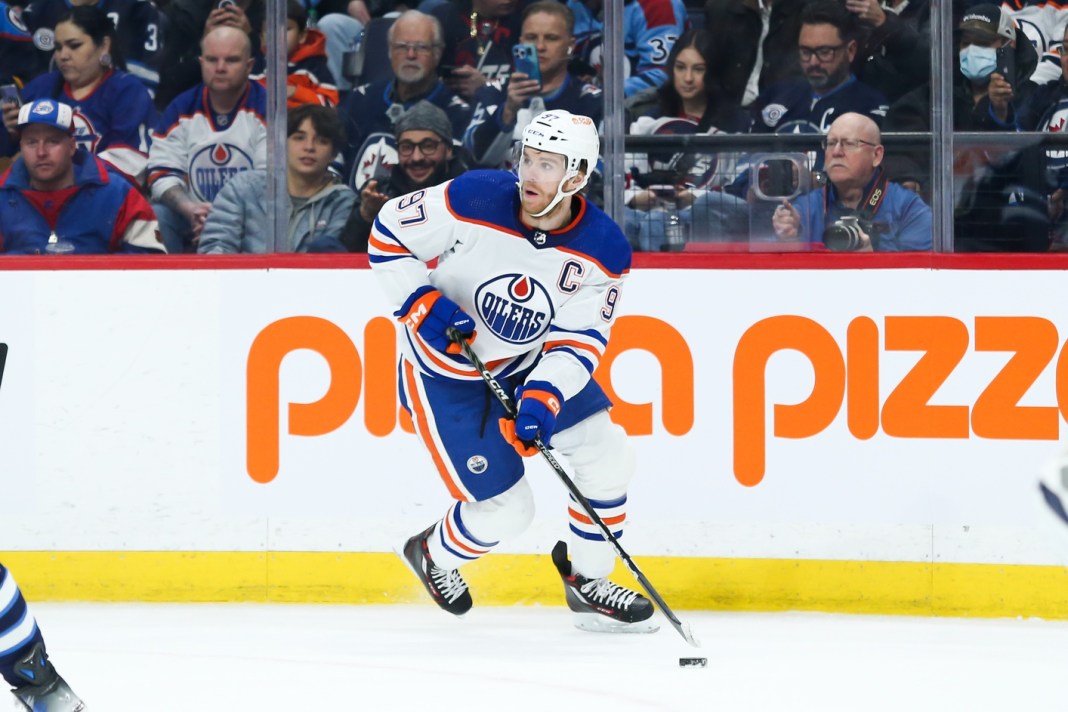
(693, 662)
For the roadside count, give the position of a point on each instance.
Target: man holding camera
(858, 209)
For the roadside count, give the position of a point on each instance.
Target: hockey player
(1053, 486)
(536, 275)
(24, 662)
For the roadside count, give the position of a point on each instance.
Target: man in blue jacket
(888, 217)
(59, 198)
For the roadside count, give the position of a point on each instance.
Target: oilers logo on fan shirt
(213, 165)
(515, 307)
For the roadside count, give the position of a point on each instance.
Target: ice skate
(600, 605)
(447, 588)
(45, 690)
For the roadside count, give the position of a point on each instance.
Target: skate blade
(596, 623)
(66, 703)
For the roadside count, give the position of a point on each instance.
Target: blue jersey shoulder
(490, 197)
(486, 196)
(597, 236)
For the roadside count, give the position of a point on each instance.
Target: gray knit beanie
(424, 116)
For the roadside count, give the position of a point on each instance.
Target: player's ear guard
(430, 314)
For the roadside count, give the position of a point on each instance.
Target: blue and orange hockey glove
(431, 314)
(539, 404)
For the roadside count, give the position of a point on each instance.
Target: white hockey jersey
(195, 146)
(553, 294)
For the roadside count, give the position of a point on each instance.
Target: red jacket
(308, 73)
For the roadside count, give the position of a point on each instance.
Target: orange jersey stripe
(581, 516)
(422, 426)
(386, 246)
(575, 344)
(456, 541)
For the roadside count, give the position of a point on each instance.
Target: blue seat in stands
(696, 17)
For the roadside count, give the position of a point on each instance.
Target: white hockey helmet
(571, 135)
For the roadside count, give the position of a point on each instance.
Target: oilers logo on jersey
(515, 307)
(477, 464)
(213, 165)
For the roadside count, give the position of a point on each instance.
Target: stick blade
(688, 635)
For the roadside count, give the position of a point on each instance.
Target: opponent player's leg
(1053, 488)
(24, 663)
(457, 424)
(602, 462)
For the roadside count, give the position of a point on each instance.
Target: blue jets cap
(48, 112)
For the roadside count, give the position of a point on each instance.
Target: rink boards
(851, 439)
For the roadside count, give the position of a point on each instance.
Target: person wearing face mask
(984, 99)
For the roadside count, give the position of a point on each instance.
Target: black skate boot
(600, 605)
(447, 588)
(45, 690)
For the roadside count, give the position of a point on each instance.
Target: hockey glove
(539, 404)
(430, 314)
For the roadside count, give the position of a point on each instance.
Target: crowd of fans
(154, 112)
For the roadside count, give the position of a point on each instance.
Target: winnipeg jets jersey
(111, 122)
(531, 293)
(137, 29)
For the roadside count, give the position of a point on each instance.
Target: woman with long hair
(113, 111)
(682, 188)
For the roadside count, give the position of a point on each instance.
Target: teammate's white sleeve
(410, 231)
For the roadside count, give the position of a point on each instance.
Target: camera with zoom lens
(847, 234)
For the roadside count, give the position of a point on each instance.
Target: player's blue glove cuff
(431, 314)
(539, 404)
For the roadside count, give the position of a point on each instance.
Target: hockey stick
(684, 629)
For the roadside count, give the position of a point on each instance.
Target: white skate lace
(604, 591)
(450, 583)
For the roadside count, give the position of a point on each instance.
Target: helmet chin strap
(560, 194)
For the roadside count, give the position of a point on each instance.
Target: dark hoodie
(357, 230)
(913, 111)
(895, 57)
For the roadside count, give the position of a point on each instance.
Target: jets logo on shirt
(14, 16)
(44, 39)
(772, 114)
(515, 307)
(212, 166)
(84, 132)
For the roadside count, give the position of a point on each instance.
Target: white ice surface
(229, 657)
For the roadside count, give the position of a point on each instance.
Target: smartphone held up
(525, 58)
(9, 94)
